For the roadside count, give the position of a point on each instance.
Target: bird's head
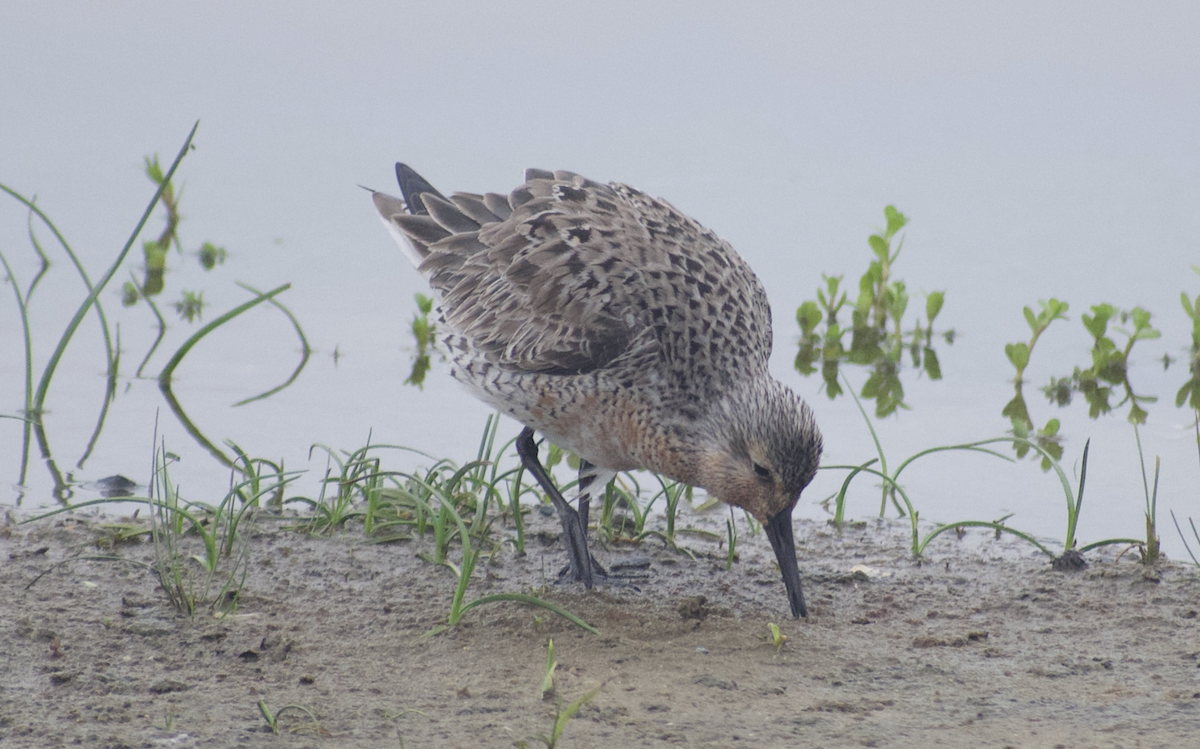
(764, 451)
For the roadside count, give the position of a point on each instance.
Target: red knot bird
(620, 329)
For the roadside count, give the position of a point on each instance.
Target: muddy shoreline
(981, 644)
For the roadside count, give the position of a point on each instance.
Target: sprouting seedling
(272, 718)
(563, 716)
(1047, 438)
(1150, 550)
(732, 536)
(776, 637)
(1018, 353)
(876, 296)
(924, 351)
(548, 676)
(1016, 410)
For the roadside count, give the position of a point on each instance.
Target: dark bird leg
(592, 483)
(574, 529)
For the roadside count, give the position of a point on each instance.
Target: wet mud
(981, 644)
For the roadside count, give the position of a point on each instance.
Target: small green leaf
(1031, 319)
(933, 368)
(1190, 394)
(156, 256)
(808, 316)
(1018, 354)
(1021, 427)
(879, 246)
(129, 294)
(1096, 324)
(806, 358)
(424, 303)
(420, 331)
(154, 169)
(190, 306)
(832, 283)
(1137, 415)
(933, 305)
(896, 300)
(420, 368)
(211, 255)
(895, 220)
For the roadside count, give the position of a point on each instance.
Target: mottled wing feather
(477, 208)
(448, 214)
(580, 274)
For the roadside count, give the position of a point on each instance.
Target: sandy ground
(981, 645)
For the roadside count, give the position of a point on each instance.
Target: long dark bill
(779, 530)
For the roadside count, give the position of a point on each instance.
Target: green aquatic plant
(1107, 372)
(1189, 394)
(455, 505)
(213, 578)
(424, 332)
(190, 306)
(36, 398)
(878, 339)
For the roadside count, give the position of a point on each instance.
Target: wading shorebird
(620, 329)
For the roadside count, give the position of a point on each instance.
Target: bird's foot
(619, 574)
(567, 574)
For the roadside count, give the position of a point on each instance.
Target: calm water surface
(1038, 152)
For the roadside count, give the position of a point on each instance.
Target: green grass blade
(164, 378)
(27, 409)
(1073, 514)
(162, 324)
(560, 723)
(532, 601)
(1001, 527)
(1112, 541)
(839, 513)
(194, 431)
(60, 349)
(965, 447)
(306, 350)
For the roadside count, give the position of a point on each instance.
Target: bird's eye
(762, 472)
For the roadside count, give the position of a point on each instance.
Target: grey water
(1039, 150)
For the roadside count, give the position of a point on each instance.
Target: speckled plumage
(618, 327)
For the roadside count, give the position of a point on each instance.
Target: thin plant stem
(305, 349)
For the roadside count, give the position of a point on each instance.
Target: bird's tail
(425, 216)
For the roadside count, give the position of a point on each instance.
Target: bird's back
(567, 277)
